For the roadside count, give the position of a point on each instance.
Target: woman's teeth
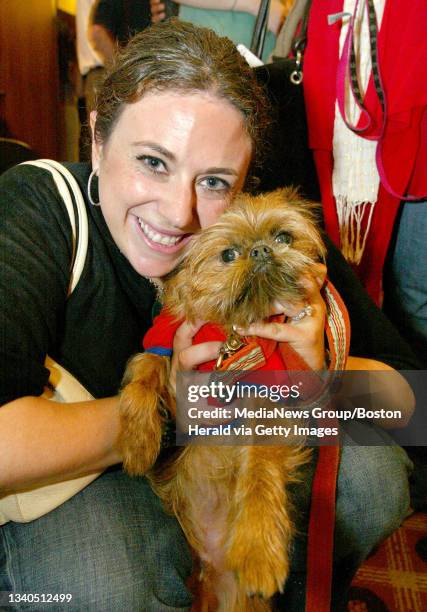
(156, 237)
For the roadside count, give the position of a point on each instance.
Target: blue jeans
(113, 548)
(405, 279)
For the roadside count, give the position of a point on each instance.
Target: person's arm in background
(102, 41)
(275, 19)
(102, 30)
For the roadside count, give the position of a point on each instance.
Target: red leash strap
(321, 531)
(323, 492)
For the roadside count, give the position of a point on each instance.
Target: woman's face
(170, 166)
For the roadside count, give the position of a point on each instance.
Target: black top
(123, 18)
(95, 331)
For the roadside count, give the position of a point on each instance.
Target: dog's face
(258, 252)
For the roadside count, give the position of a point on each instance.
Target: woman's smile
(161, 240)
(171, 166)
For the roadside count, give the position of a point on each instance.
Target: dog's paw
(260, 560)
(138, 452)
(140, 431)
(136, 461)
(141, 422)
(262, 575)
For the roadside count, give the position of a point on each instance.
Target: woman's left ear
(96, 145)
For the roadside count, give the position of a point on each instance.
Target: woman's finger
(186, 355)
(312, 285)
(280, 332)
(191, 357)
(184, 335)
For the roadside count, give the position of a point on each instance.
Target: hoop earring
(89, 187)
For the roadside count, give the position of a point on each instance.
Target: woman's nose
(178, 205)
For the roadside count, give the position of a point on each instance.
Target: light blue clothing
(235, 25)
(114, 548)
(405, 279)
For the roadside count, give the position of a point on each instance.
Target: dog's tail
(143, 400)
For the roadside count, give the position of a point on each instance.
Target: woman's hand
(306, 336)
(186, 355)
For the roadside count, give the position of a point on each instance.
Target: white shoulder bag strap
(65, 182)
(63, 387)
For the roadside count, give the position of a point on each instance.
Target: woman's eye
(284, 238)
(229, 255)
(213, 183)
(154, 164)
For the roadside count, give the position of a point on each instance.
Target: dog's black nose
(261, 252)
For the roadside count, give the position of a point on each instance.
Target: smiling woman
(177, 126)
(178, 130)
(156, 192)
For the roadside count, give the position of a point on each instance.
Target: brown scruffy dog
(231, 501)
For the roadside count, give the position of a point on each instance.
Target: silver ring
(307, 311)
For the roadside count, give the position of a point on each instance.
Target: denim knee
(111, 547)
(372, 498)
(405, 283)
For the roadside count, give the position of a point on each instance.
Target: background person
(91, 70)
(232, 18)
(114, 22)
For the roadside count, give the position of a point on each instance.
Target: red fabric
(162, 332)
(402, 54)
(164, 327)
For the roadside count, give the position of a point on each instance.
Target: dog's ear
(292, 196)
(288, 194)
(176, 296)
(310, 212)
(145, 390)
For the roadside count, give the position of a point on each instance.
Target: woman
(177, 132)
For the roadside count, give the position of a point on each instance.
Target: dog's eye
(284, 238)
(229, 255)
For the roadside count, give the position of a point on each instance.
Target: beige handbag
(63, 387)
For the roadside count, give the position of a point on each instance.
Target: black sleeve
(372, 334)
(108, 13)
(35, 257)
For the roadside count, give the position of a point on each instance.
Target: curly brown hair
(178, 56)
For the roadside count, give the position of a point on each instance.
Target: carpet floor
(394, 578)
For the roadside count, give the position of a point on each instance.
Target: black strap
(373, 39)
(260, 28)
(300, 42)
(298, 47)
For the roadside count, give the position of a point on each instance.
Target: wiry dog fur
(231, 502)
